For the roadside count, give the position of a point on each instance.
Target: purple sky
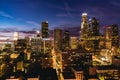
(27, 15)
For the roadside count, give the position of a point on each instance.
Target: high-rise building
(112, 36)
(44, 30)
(108, 37)
(46, 46)
(115, 35)
(66, 39)
(58, 39)
(36, 44)
(94, 26)
(94, 32)
(84, 30)
(84, 26)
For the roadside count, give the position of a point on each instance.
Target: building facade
(45, 30)
(66, 40)
(58, 39)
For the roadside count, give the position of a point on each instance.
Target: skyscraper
(36, 44)
(44, 29)
(115, 35)
(84, 26)
(112, 36)
(66, 39)
(108, 37)
(94, 25)
(58, 39)
(94, 32)
(84, 30)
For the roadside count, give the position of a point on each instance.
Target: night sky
(28, 14)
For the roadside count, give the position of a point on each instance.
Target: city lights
(84, 14)
(59, 55)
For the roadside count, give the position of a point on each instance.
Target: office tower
(115, 35)
(44, 30)
(94, 32)
(46, 46)
(94, 25)
(112, 36)
(84, 26)
(58, 39)
(66, 39)
(36, 44)
(73, 42)
(84, 31)
(108, 37)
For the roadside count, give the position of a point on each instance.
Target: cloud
(33, 23)
(6, 15)
(67, 8)
(7, 29)
(10, 28)
(115, 3)
(61, 15)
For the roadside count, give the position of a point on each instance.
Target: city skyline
(59, 40)
(28, 14)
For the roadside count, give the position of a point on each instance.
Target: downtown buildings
(64, 57)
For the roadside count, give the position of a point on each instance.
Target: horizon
(27, 15)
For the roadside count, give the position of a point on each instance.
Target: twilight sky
(28, 14)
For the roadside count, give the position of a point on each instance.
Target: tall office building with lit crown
(84, 33)
(44, 29)
(58, 39)
(84, 26)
